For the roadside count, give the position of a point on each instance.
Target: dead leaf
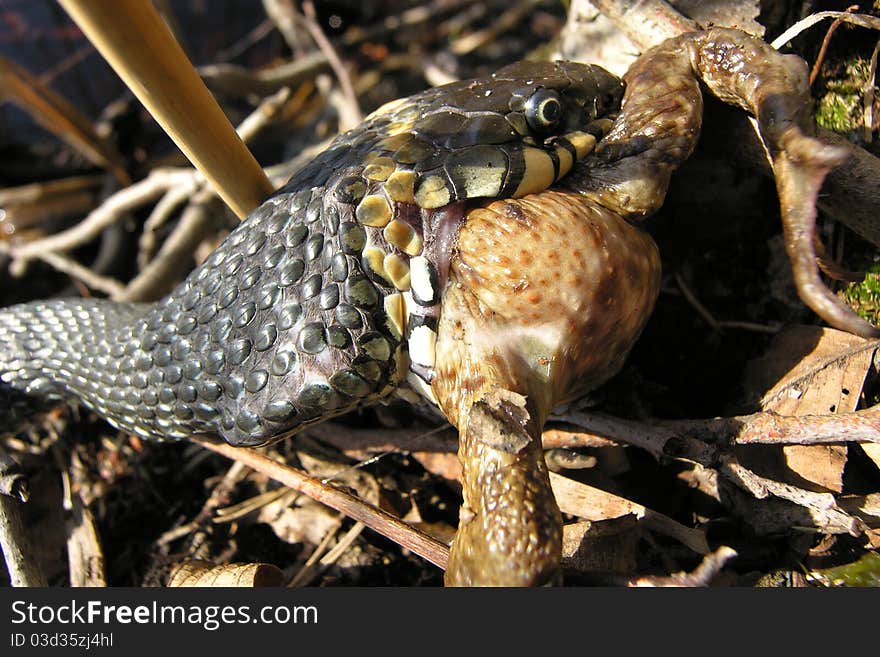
(873, 452)
(337, 470)
(590, 503)
(810, 370)
(296, 518)
(609, 545)
(821, 464)
(203, 573)
(299, 520)
(443, 465)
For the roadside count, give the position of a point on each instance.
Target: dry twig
(869, 95)
(219, 496)
(817, 65)
(15, 541)
(158, 182)
(165, 270)
(238, 81)
(503, 23)
(373, 517)
(701, 576)
(318, 562)
(85, 557)
(15, 544)
(862, 20)
(353, 115)
(823, 508)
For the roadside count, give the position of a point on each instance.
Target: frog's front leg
(774, 88)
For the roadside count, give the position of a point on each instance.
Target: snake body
(328, 295)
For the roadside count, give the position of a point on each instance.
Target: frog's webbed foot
(799, 168)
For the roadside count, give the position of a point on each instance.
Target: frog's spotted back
(315, 302)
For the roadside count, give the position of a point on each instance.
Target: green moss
(864, 572)
(864, 297)
(841, 107)
(838, 113)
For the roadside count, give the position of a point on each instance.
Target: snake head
(506, 135)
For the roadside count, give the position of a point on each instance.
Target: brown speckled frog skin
(555, 312)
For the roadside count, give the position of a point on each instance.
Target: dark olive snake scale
(288, 321)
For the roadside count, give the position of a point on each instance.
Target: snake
(473, 248)
(327, 296)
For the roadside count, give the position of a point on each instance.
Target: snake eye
(543, 110)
